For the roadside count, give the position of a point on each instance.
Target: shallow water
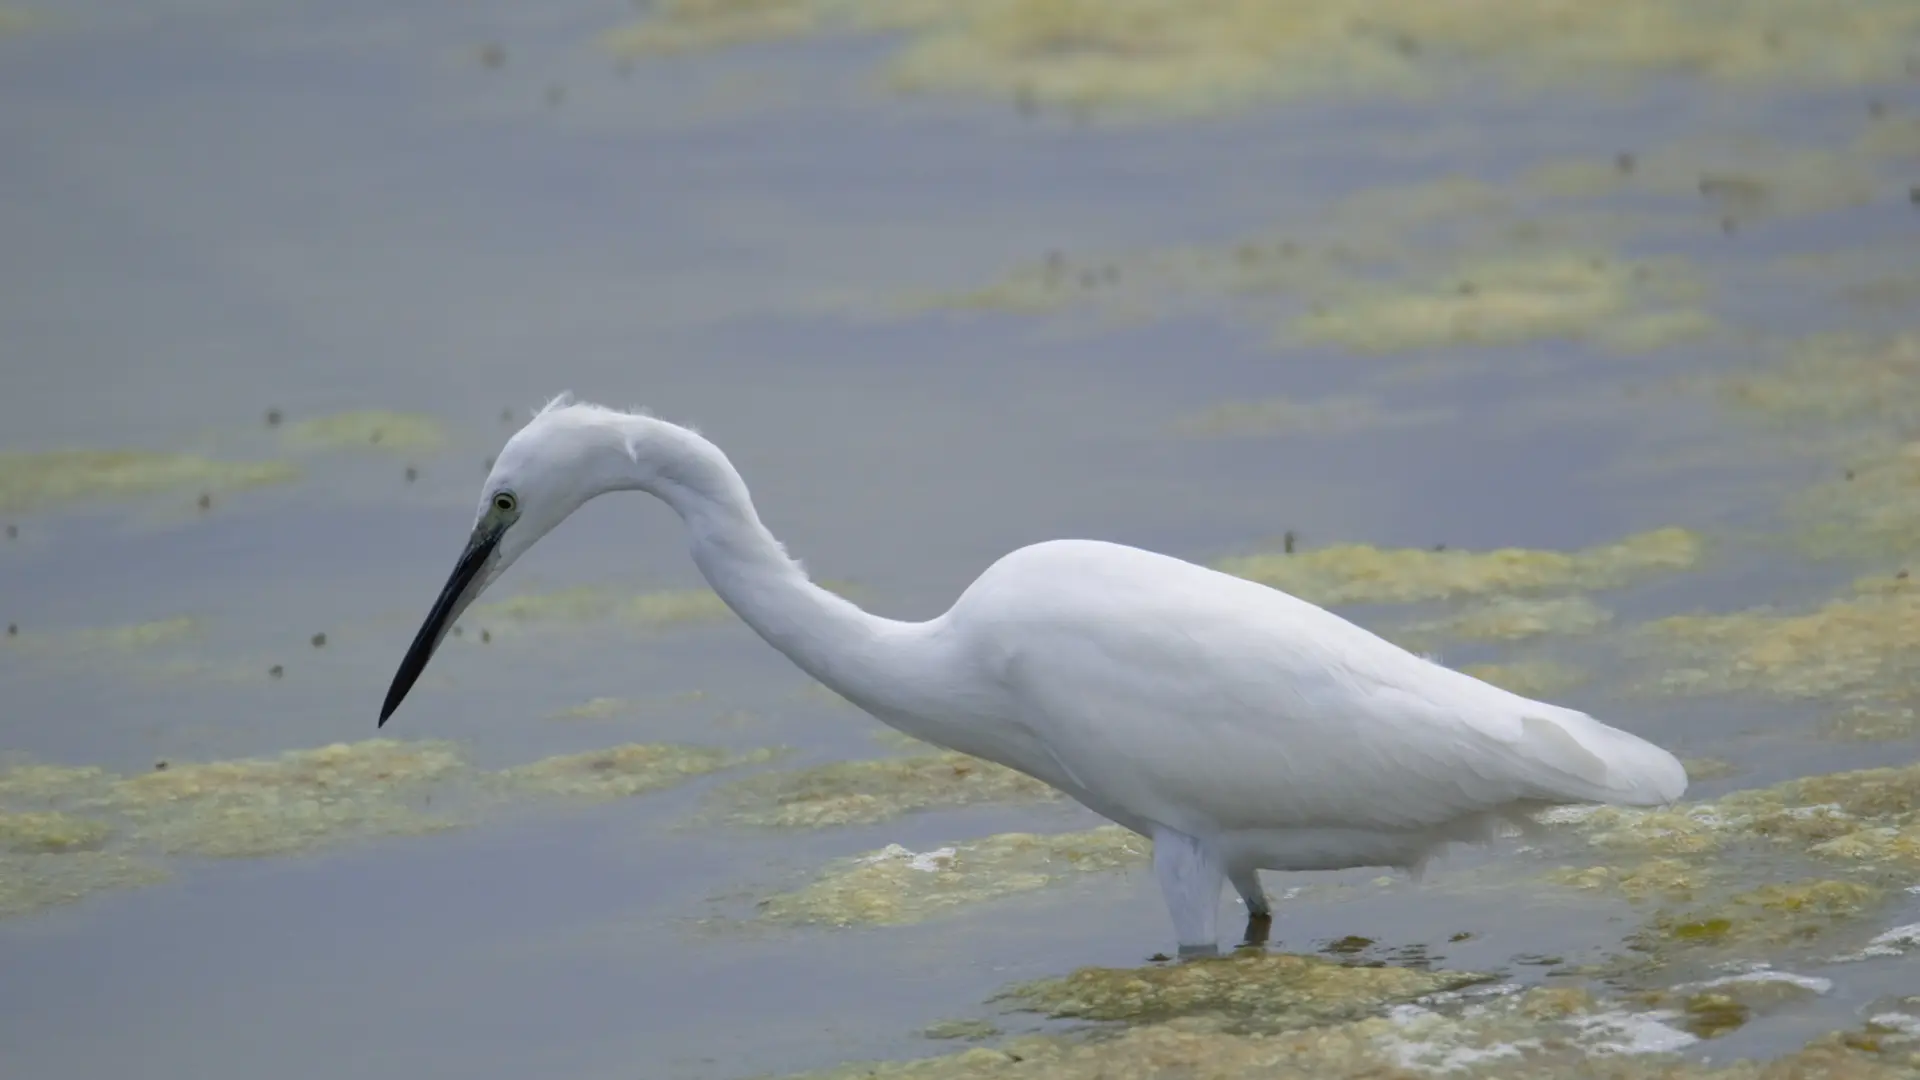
(213, 210)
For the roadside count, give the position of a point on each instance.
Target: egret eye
(505, 502)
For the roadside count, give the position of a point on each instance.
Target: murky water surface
(1580, 354)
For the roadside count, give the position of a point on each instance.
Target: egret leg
(1246, 882)
(1190, 879)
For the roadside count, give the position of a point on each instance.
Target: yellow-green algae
(35, 481)
(299, 800)
(374, 429)
(1894, 137)
(1858, 646)
(970, 1030)
(1860, 831)
(599, 708)
(1516, 618)
(1712, 1007)
(66, 831)
(618, 772)
(1853, 399)
(894, 886)
(1739, 180)
(1668, 878)
(1835, 377)
(1488, 1036)
(49, 832)
(862, 792)
(1362, 573)
(1633, 306)
(1706, 768)
(1284, 416)
(32, 883)
(596, 604)
(1863, 816)
(1252, 987)
(1774, 915)
(37, 784)
(1198, 56)
(1529, 678)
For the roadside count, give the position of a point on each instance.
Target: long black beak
(453, 600)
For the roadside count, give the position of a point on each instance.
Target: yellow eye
(505, 502)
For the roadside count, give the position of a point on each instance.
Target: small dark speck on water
(1728, 226)
(1468, 288)
(13, 629)
(1023, 101)
(206, 501)
(489, 464)
(273, 417)
(1849, 474)
(1158, 958)
(1902, 575)
(1287, 542)
(319, 641)
(1913, 194)
(160, 766)
(412, 474)
(459, 631)
(1876, 108)
(506, 416)
(556, 95)
(1464, 935)
(1624, 162)
(1439, 547)
(276, 671)
(375, 437)
(486, 637)
(493, 56)
(13, 532)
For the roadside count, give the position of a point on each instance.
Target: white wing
(1202, 701)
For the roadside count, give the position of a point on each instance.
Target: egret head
(566, 455)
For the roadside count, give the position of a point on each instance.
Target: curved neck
(867, 659)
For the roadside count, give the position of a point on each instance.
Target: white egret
(1237, 727)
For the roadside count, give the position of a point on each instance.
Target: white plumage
(1238, 727)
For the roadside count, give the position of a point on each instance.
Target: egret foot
(1199, 952)
(1259, 929)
